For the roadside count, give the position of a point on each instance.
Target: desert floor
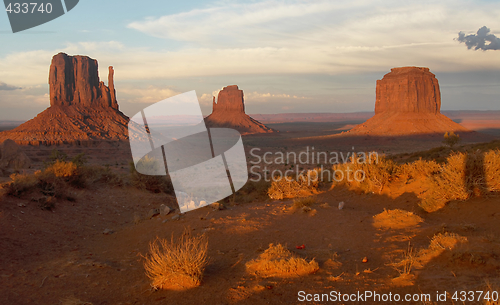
(48, 256)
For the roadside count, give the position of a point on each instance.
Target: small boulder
(108, 231)
(165, 210)
(153, 212)
(218, 206)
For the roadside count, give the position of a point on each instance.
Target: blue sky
(287, 56)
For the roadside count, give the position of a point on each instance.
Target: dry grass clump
(177, 264)
(405, 265)
(277, 261)
(396, 219)
(286, 187)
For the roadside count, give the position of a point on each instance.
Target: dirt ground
(93, 248)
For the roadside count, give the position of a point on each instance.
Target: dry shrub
(21, 183)
(456, 180)
(277, 261)
(287, 187)
(396, 219)
(377, 172)
(419, 169)
(492, 170)
(177, 264)
(61, 169)
(446, 241)
(98, 174)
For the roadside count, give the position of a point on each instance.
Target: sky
(287, 56)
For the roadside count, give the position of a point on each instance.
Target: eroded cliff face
(82, 108)
(408, 90)
(229, 111)
(74, 80)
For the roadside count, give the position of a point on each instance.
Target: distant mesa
(229, 111)
(408, 102)
(82, 108)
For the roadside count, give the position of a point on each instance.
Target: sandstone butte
(82, 108)
(408, 102)
(229, 111)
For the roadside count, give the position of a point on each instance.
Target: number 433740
(29, 8)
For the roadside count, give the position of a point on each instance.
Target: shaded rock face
(74, 80)
(408, 90)
(408, 102)
(82, 109)
(229, 112)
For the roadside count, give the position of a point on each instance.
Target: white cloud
(256, 97)
(149, 95)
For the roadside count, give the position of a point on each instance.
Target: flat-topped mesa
(408, 90)
(408, 103)
(74, 80)
(230, 99)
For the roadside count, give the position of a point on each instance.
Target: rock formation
(229, 111)
(74, 80)
(408, 90)
(408, 102)
(82, 108)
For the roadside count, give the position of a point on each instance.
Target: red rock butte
(408, 102)
(82, 108)
(229, 111)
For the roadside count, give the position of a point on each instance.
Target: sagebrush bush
(277, 261)
(377, 172)
(418, 169)
(21, 183)
(177, 264)
(288, 187)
